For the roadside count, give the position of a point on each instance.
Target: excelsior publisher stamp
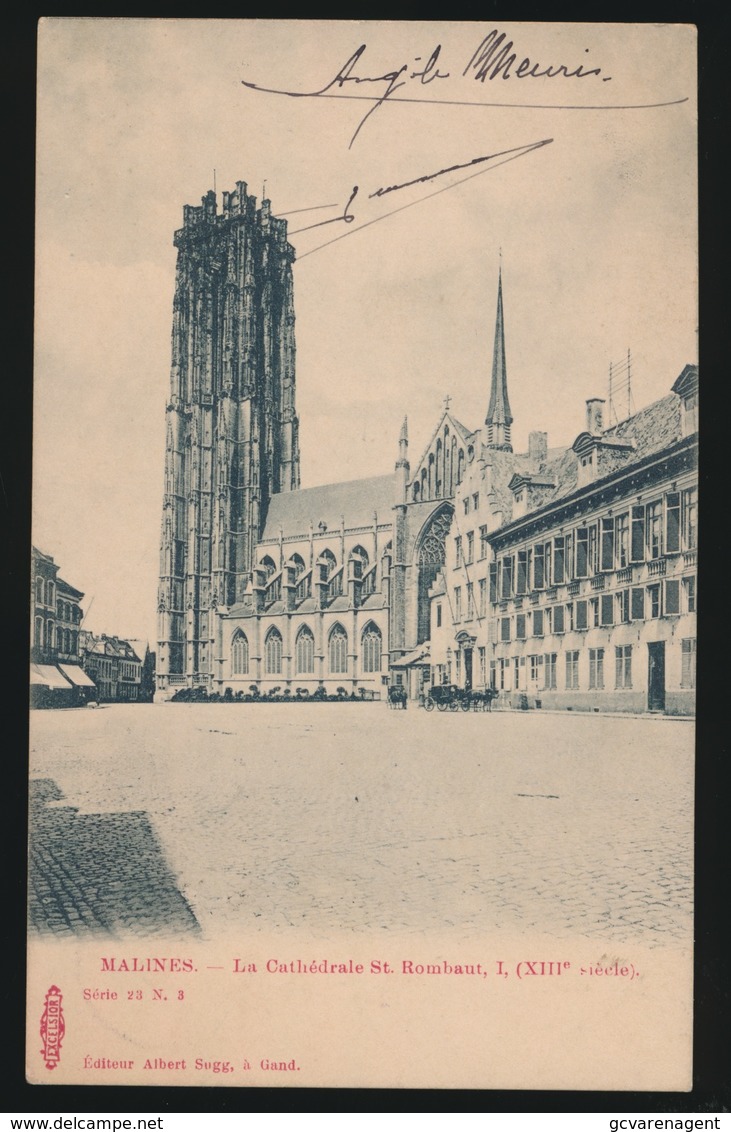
(53, 1027)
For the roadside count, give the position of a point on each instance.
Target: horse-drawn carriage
(397, 696)
(448, 697)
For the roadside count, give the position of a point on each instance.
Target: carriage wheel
(464, 704)
(442, 707)
(429, 703)
(453, 705)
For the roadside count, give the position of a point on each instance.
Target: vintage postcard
(364, 555)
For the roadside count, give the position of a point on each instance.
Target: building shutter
(638, 534)
(607, 544)
(672, 596)
(607, 609)
(672, 522)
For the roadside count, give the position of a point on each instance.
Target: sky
(582, 186)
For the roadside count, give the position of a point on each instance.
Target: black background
(711, 1092)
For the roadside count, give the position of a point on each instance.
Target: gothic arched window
(299, 565)
(239, 654)
(360, 557)
(327, 558)
(460, 465)
(268, 564)
(430, 560)
(370, 648)
(305, 651)
(338, 650)
(273, 652)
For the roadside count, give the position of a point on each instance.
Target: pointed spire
(404, 434)
(499, 417)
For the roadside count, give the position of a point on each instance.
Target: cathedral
(431, 573)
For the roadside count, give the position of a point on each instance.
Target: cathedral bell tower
(232, 430)
(499, 417)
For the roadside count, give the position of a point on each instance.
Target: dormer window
(587, 462)
(529, 492)
(686, 386)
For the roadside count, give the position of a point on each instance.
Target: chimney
(538, 446)
(595, 416)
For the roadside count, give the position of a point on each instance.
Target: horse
(397, 696)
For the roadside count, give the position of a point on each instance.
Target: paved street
(174, 818)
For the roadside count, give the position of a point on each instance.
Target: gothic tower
(499, 417)
(232, 430)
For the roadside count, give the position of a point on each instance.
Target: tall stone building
(56, 676)
(232, 435)
(561, 577)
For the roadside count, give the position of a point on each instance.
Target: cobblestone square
(212, 818)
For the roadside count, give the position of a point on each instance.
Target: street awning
(420, 655)
(49, 676)
(77, 675)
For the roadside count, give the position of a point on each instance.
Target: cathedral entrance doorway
(465, 651)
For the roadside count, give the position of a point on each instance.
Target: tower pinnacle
(499, 417)
(403, 445)
(402, 465)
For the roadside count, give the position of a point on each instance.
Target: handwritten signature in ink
(493, 59)
(500, 158)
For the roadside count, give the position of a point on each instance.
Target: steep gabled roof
(456, 426)
(292, 512)
(650, 430)
(63, 586)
